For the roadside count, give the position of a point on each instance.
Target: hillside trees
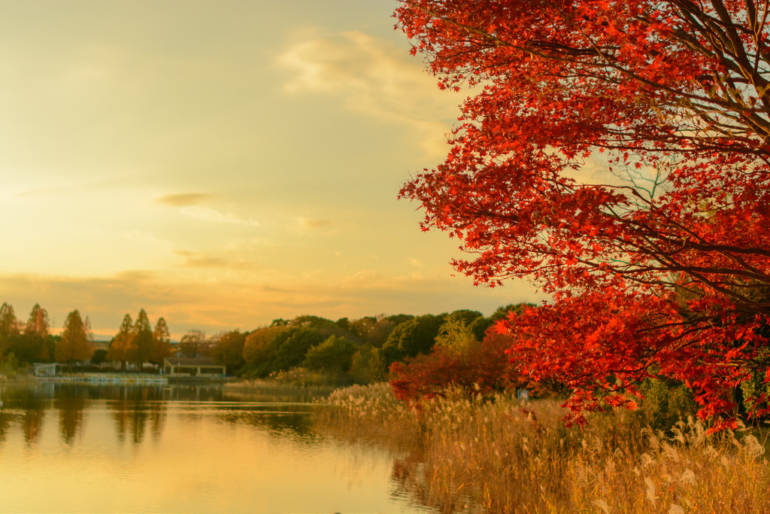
(412, 337)
(345, 350)
(616, 153)
(228, 350)
(334, 355)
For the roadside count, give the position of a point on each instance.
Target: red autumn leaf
(662, 268)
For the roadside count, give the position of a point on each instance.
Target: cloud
(313, 224)
(377, 79)
(212, 215)
(184, 199)
(204, 260)
(191, 206)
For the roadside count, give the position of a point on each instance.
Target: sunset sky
(220, 164)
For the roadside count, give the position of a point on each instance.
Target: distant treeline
(23, 343)
(32, 341)
(315, 349)
(306, 348)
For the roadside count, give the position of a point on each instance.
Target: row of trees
(137, 342)
(358, 350)
(345, 350)
(32, 341)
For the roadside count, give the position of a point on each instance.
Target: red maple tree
(663, 267)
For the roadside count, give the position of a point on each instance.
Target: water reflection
(132, 408)
(179, 449)
(135, 410)
(34, 414)
(70, 404)
(5, 422)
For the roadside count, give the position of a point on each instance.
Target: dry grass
(498, 455)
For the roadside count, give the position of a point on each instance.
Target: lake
(77, 448)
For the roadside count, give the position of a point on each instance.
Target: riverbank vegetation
(306, 350)
(462, 451)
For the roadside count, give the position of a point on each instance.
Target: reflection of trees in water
(33, 425)
(5, 422)
(34, 412)
(32, 402)
(137, 410)
(70, 401)
(195, 393)
(292, 423)
(133, 407)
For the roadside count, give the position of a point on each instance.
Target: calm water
(69, 448)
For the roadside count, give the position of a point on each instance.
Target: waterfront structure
(44, 369)
(193, 367)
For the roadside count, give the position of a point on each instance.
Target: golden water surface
(66, 448)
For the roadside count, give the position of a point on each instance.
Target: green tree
(412, 337)
(465, 316)
(375, 330)
(292, 350)
(455, 336)
(75, 343)
(479, 327)
(334, 355)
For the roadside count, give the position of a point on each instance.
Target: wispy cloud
(313, 223)
(209, 260)
(212, 215)
(191, 205)
(184, 199)
(376, 79)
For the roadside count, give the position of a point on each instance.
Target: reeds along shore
(496, 454)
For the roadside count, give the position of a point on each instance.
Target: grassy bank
(499, 455)
(278, 389)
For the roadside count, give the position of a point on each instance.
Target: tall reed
(464, 453)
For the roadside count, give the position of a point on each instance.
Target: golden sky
(219, 163)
